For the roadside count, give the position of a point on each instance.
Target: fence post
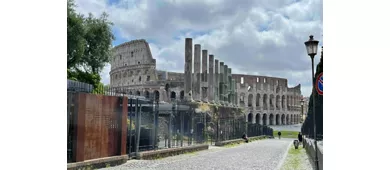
(234, 129)
(204, 127)
(181, 127)
(119, 111)
(129, 110)
(192, 126)
(138, 125)
(218, 130)
(156, 116)
(170, 127)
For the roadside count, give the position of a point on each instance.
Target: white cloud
(253, 37)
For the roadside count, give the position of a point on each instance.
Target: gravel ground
(264, 154)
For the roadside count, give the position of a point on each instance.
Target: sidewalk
(297, 159)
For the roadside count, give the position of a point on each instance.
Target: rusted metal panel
(101, 126)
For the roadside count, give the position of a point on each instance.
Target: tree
(75, 36)
(89, 46)
(99, 38)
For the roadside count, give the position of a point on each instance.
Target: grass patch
(191, 153)
(287, 134)
(231, 145)
(295, 158)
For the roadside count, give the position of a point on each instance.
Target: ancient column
(196, 81)
(225, 87)
(188, 69)
(211, 78)
(234, 92)
(204, 83)
(221, 82)
(230, 87)
(216, 83)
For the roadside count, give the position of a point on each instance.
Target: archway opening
(147, 94)
(283, 119)
(258, 118)
(271, 119)
(242, 100)
(264, 119)
(250, 118)
(250, 99)
(277, 119)
(173, 95)
(138, 93)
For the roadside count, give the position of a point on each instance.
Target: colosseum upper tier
(267, 100)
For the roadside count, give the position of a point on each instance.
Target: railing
(234, 128)
(152, 125)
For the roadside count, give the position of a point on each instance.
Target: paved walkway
(296, 127)
(264, 154)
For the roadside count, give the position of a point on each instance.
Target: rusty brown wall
(101, 126)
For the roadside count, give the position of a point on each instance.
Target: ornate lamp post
(312, 48)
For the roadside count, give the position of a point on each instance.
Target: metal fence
(307, 128)
(234, 128)
(154, 125)
(70, 127)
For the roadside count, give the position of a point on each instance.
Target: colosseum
(266, 100)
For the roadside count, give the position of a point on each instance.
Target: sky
(257, 37)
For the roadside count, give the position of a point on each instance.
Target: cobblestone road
(257, 155)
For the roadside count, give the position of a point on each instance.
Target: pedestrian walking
(300, 139)
(279, 134)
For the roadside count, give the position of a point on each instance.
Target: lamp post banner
(319, 84)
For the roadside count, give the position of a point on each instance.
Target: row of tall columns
(210, 82)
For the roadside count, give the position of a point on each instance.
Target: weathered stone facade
(266, 100)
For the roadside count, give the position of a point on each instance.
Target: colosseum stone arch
(268, 99)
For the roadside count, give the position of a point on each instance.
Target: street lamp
(312, 48)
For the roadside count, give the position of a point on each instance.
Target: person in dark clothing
(279, 134)
(300, 139)
(245, 138)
